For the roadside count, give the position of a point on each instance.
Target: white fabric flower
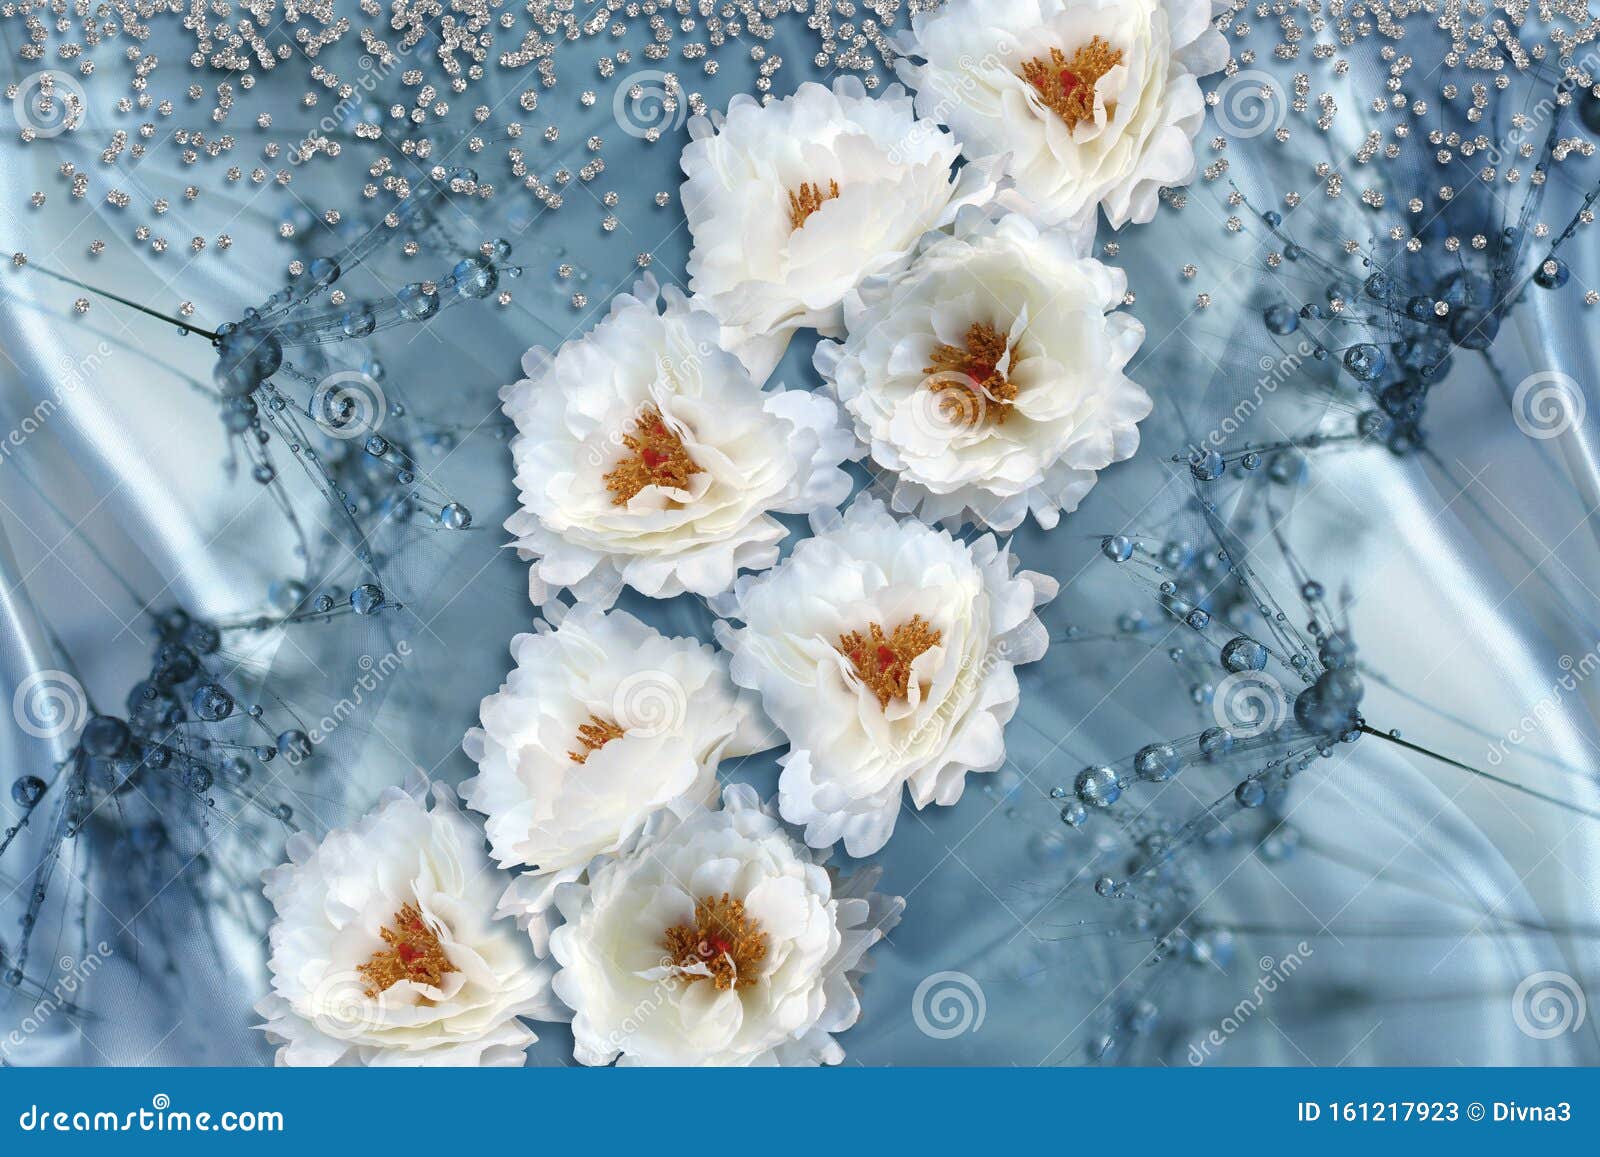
(719, 941)
(385, 950)
(988, 375)
(884, 650)
(604, 723)
(646, 455)
(791, 204)
(1092, 102)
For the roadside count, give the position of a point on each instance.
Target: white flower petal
(656, 362)
(966, 58)
(850, 753)
(332, 901)
(817, 929)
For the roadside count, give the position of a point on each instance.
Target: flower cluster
(976, 354)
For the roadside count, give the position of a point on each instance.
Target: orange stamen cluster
(592, 736)
(658, 459)
(954, 372)
(1067, 86)
(414, 953)
(807, 200)
(883, 662)
(728, 942)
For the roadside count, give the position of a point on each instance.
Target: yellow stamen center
(594, 735)
(807, 200)
(729, 943)
(883, 662)
(658, 459)
(1067, 86)
(957, 374)
(414, 953)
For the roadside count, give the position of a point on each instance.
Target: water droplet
(27, 790)
(366, 599)
(212, 702)
(1157, 763)
(1118, 548)
(1098, 786)
(1250, 793)
(1244, 654)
